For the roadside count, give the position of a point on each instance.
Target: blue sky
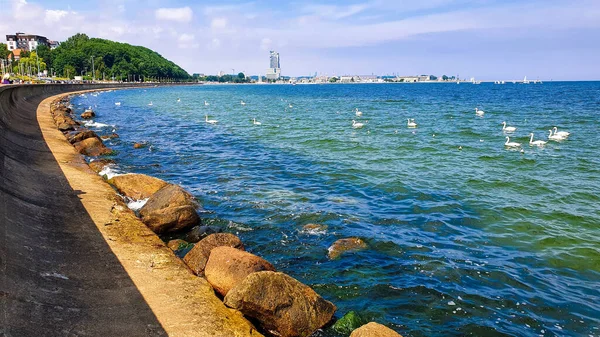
(486, 39)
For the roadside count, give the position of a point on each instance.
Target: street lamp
(93, 72)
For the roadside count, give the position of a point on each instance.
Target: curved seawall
(70, 264)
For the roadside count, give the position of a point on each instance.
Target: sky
(485, 39)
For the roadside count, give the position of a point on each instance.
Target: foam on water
(135, 205)
(92, 124)
(109, 171)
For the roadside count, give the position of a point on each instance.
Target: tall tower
(274, 71)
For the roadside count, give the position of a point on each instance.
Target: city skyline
(483, 39)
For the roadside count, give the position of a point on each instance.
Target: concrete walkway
(73, 260)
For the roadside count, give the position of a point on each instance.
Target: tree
(241, 76)
(444, 77)
(4, 52)
(32, 62)
(334, 79)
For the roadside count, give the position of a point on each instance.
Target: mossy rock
(348, 323)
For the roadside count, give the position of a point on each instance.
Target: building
(28, 42)
(15, 54)
(274, 71)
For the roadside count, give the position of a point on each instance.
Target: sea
(465, 236)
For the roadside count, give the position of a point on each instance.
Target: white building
(274, 71)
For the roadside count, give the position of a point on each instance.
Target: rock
(282, 305)
(197, 257)
(99, 164)
(373, 329)
(64, 127)
(111, 136)
(168, 196)
(139, 145)
(92, 147)
(348, 323)
(137, 186)
(171, 219)
(200, 232)
(227, 267)
(176, 244)
(313, 228)
(78, 136)
(87, 114)
(344, 245)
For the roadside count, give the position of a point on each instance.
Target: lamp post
(93, 72)
(38, 60)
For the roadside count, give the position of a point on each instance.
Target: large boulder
(282, 305)
(198, 233)
(168, 196)
(137, 186)
(197, 257)
(99, 164)
(171, 219)
(227, 267)
(373, 329)
(87, 114)
(80, 135)
(344, 245)
(92, 147)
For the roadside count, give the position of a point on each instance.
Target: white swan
(290, 106)
(357, 125)
(210, 121)
(508, 128)
(555, 137)
(178, 100)
(117, 103)
(537, 142)
(511, 144)
(563, 134)
(411, 123)
(206, 103)
(242, 103)
(150, 104)
(358, 113)
(479, 112)
(255, 122)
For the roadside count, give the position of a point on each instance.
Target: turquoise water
(466, 237)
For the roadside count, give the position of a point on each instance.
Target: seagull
(117, 103)
(178, 100)
(210, 121)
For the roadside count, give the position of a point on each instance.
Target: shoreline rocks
(373, 329)
(227, 267)
(342, 246)
(137, 186)
(197, 257)
(92, 147)
(282, 305)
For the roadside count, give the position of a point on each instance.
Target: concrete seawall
(72, 261)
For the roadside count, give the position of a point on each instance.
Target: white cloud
(54, 16)
(265, 43)
(22, 10)
(218, 23)
(183, 14)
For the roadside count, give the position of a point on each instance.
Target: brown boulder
(344, 245)
(137, 186)
(314, 228)
(227, 267)
(92, 147)
(168, 196)
(373, 329)
(175, 244)
(139, 145)
(111, 136)
(87, 114)
(281, 304)
(171, 219)
(99, 164)
(78, 136)
(64, 127)
(197, 257)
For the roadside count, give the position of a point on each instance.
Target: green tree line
(120, 61)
